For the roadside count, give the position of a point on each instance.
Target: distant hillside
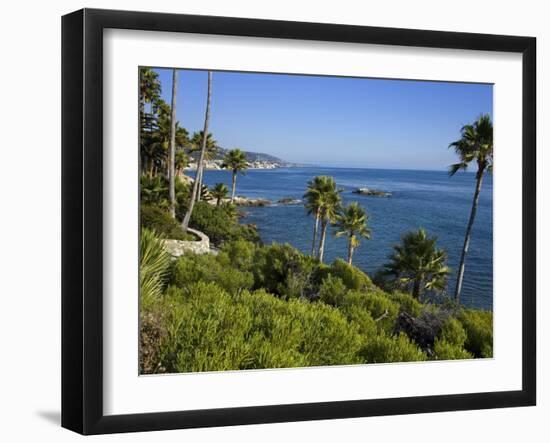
(257, 157)
(251, 157)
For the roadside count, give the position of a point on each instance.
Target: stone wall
(179, 247)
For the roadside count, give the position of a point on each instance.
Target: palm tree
(153, 190)
(185, 223)
(182, 161)
(172, 154)
(330, 203)
(157, 149)
(417, 265)
(352, 222)
(312, 199)
(235, 160)
(475, 145)
(212, 150)
(149, 91)
(219, 192)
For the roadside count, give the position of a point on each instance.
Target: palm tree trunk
(187, 217)
(233, 185)
(199, 178)
(218, 201)
(315, 229)
(172, 154)
(322, 241)
(466, 246)
(140, 132)
(350, 249)
(151, 166)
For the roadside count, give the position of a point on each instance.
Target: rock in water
(289, 201)
(372, 192)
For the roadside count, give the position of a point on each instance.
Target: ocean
(428, 199)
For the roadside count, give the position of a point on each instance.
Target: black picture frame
(82, 218)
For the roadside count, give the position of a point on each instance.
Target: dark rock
(371, 192)
(244, 201)
(289, 201)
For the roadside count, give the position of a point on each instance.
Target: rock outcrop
(372, 192)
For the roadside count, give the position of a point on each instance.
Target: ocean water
(428, 199)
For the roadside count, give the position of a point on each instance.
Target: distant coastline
(213, 165)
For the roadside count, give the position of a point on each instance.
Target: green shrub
(332, 291)
(362, 318)
(157, 219)
(407, 303)
(193, 268)
(220, 224)
(384, 348)
(479, 331)
(380, 307)
(284, 271)
(449, 344)
(206, 331)
(453, 332)
(239, 254)
(328, 338)
(352, 277)
(209, 330)
(447, 351)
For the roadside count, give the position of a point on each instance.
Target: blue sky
(332, 121)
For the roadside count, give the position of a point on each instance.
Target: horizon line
(306, 165)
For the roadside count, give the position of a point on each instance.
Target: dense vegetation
(256, 306)
(246, 305)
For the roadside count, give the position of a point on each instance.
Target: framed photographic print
(269, 221)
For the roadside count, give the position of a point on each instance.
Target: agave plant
(205, 193)
(153, 267)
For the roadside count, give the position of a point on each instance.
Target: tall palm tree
(417, 264)
(235, 160)
(212, 149)
(185, 223)
(312, 199)
(330, 203)
(172, 152)
(219, 192)
(474, 145)
(352, 222)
